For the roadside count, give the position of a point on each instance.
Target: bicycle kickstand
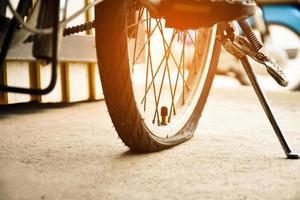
(240, 50)
(267, 108)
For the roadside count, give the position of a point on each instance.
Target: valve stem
(164, 114)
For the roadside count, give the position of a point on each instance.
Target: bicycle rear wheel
(155, 79)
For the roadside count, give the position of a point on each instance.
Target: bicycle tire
(115, 73)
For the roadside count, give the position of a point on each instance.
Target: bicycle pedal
(276, 72)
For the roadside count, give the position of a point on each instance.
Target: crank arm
(272, 67)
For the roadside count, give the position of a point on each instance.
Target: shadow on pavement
(33, 107)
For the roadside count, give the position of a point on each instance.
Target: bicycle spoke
(146, 84)
(141, 11)
(154, 91)
(168, 68)
(173, 108)
(196, 50)
(155, 75)
(183, 67)
(136, 24)
(165, 69)
(176, 83)
(176, 64)
(149, 58)
(142, 49)
(188, 33)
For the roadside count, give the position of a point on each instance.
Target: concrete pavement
(71, 151)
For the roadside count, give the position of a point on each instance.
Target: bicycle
(176, 44)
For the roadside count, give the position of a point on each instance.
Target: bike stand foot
(292, 155)
(267, 108)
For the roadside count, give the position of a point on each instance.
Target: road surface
(71, 151)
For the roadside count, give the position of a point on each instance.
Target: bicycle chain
(79, 28)
(131, 5)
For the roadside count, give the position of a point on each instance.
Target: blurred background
(277, 25)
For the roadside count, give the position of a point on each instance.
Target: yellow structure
(77, 77)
